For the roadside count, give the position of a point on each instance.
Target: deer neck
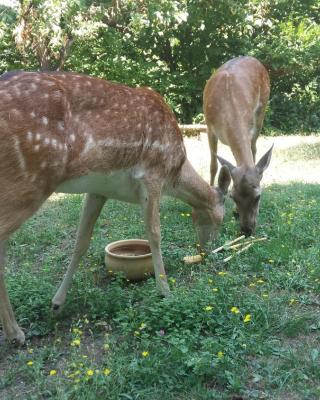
(242, 153)
(191, 188)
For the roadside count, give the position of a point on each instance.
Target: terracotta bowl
(132, 257)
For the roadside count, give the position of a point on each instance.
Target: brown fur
(73, 133)
(235, 99)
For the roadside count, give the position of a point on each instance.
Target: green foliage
(174, 46)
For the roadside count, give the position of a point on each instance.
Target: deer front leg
(213, 145)
(90, 212)
(11, 330)
(150, 200)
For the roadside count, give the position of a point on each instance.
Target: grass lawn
(247, 329)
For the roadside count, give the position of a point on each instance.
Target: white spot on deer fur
(33, 86)
(43, 164)
(38, 136)
(46, 141)
(20, 156)
(72, 137)
(138, 172)
(54, 143)
(60, 126)
(46, 95)
(139, 125)
(45, 120)
(37, 147)
(90, 144)
(60, 146)
(32, 114)
(29, 136)
(33, 178)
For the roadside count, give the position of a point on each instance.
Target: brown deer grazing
(65, 132)
(235, 99)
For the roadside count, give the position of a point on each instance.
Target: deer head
(246, 191)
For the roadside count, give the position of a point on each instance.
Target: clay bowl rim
(109, 247)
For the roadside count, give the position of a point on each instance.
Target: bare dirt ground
(294, 159)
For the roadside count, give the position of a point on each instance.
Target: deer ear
(226, 163)
(224, 179)
(264, 162)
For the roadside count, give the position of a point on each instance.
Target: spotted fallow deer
(234, 102)
(70, 133)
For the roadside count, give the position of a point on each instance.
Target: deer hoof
(18, 339)
(56, 308)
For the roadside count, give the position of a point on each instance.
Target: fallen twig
(236, 246)
(227, 245)
(238, 252)
(192, 259)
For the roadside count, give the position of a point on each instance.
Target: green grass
(116, 340)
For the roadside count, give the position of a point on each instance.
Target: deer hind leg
(213, 145)
(90, 212)
(10, 327)
(150, 201)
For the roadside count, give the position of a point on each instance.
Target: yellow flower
(162, 276)
(145, 354)
(222, 273)
(30, 363)
(137, 333)
(187, 215)
(90, 372)
(210, 280)
(142, 326)
(252, 284)
(247, 318)
(106, 346)
(75, 342)
(215, 289)
(77, 331)
(208, 308)
(271, 261)
(106, 371)
(235, 310)
(260, 281)
(30, 351)
(172, 280)
(292, 301)
(53, 372)
(265, 295)
(182, 214)
(220, 354)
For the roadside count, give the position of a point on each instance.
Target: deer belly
(118, 185)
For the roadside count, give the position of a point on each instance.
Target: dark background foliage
(174, 46)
